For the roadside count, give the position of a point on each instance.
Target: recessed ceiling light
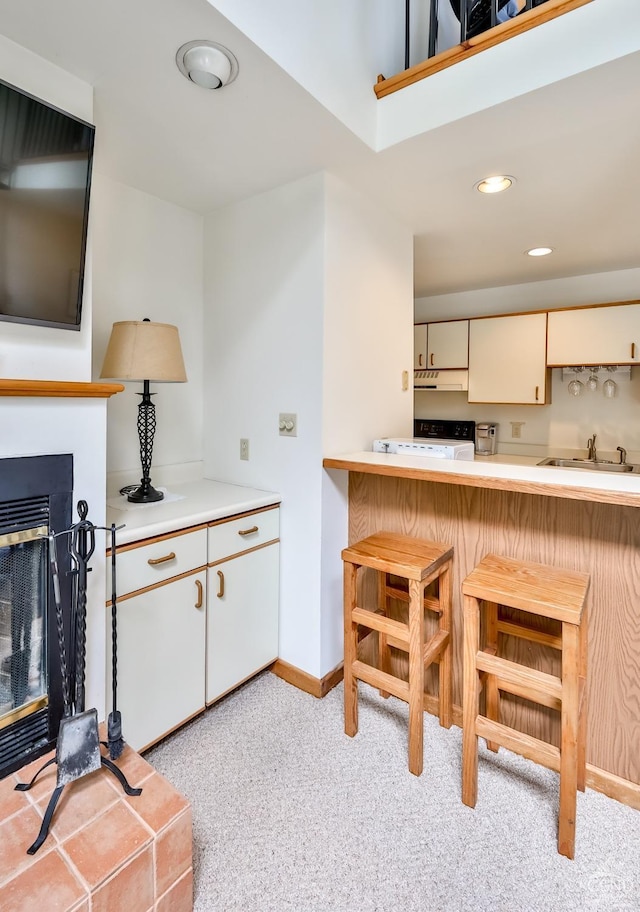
(539, 251)
(207, 64)
(495, 184)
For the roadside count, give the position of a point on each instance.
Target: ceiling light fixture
(207, 64)
(539, 251)
(495, 184)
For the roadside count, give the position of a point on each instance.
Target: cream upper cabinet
(507, 359)
(594, 335)
(420, 346)
(448, 344)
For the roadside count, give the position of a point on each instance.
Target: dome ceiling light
(539, 251)
(207, 64)
(495, 184)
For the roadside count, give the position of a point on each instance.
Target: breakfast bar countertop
(502, 472)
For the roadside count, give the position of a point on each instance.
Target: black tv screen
(45, 176)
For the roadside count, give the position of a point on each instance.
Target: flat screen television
(45, 177)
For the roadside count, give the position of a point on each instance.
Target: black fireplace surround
(37, 491)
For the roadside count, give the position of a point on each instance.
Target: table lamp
(145, 352)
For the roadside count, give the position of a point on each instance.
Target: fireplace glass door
(23, 623)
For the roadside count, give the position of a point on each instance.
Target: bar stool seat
(418, 562)
(547, 592)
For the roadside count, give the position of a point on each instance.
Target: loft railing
(482, 24)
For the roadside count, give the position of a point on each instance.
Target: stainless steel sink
(601, 466)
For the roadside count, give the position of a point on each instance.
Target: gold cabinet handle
(633, 350)
(153, 561)
(220, 592)
(431, 360)
(420, 360)
(537, 391)
(248, 531)
(198, 603)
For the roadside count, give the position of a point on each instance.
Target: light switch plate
(288, 424)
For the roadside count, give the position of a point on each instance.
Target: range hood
(441, 379)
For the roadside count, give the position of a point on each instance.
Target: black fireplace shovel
(78, 747)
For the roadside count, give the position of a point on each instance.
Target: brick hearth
(105, 852)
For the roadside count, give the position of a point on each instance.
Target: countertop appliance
(418, 446)
(458, 431)
(486, 439)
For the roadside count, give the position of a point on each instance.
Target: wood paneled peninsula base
(548, 526)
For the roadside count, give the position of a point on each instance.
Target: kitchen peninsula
(573, 518)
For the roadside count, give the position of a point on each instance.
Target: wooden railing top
(522, 23)
(59, 389)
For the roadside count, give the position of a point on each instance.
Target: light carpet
(291, 815)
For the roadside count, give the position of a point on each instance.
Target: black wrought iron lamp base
(146, 493)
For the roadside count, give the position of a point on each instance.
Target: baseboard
(317, 687)
(623, 790)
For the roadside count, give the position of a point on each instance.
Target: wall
(568, 421)
(367, 345)
(296, 284)
(147, 262)
(335, 50)
(34, 352)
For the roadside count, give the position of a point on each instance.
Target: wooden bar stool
(547, 592)
(419, 562)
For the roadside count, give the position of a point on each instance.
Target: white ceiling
(573, 146)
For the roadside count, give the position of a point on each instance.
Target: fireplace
(35, 499)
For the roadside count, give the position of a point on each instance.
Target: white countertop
(186, 505)
(517, 469)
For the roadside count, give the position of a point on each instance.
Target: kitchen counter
(575, 518)
(506, 473)
(185, 505)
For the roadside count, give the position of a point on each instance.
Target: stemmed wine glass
(576, 386)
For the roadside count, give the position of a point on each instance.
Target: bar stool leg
(470, 695)
(384, 658)
(492, 694)
(582, 696)
(569, 742)
(350, 650)
(416, 677)
(445, 669)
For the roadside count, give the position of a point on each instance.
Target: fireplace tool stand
(78, 744)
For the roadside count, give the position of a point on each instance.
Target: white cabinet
(197, 615)
(448, 344)
(242, 599)
(161, 644)
(594, 335)
(507, 359)
(420, 346)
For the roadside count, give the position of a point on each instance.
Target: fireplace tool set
(78, 745)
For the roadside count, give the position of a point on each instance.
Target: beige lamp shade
(142, 350)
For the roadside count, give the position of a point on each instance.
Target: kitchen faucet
(623, 455)
(591, 449)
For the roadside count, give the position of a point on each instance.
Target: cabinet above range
(441, 346)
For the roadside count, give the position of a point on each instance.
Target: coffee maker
(486, 439)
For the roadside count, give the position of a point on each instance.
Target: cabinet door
(242, 618)
(507, 359)
(448, 344)
(161, 658)
(594, 335)
(420, 346)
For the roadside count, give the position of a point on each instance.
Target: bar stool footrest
(531, 748)
(381, 680)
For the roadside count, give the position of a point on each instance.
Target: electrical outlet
(288, 424)
(244, 448)
(516, 428)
